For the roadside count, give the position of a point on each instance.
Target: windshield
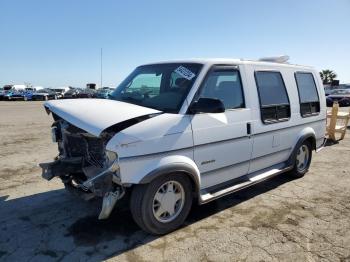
(160, 86)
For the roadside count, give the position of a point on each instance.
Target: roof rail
(275, 59)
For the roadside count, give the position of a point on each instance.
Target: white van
(15, 87)
(193, 130)
(35, 88)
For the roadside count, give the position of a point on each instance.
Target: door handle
(249, 129)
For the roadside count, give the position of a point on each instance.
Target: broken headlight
(111, 156)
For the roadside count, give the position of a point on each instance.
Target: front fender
(142, 170)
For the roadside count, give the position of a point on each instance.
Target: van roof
(212, 61)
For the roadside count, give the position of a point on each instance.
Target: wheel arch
(181, 167)
(307, 134)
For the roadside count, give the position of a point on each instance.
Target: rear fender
(305, 134)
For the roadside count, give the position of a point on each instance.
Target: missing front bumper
(59, 168)
(104, 184)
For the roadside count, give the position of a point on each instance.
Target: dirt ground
(307, 219)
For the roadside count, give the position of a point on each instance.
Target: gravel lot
(279, 220)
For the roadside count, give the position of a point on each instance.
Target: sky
(58, 43)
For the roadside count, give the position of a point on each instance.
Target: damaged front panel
(84, 165)
(81, 157)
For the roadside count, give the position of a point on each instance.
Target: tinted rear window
(306, 87)
(271, 88)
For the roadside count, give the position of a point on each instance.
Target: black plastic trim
(173, 168)
(128, 123)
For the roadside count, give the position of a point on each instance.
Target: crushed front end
(84, 165)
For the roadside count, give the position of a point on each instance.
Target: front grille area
(91, 149)
(74, 142)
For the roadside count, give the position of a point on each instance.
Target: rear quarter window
(308, 94)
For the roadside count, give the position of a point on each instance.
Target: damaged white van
(177, 132)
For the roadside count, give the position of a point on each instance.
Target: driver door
(222, 143)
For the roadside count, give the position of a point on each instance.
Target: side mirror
(207, 105)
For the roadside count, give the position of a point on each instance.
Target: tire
(144, 205)
(301, 168)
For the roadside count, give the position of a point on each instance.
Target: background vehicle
(7, 87)
(19, 87)
(29, 91)
(60, 91)
(342, 96)
(27, 95)
(44, 94)
(72, 93)
(328, 90)
(35, 88)
(104, 92)
(194, 130)
(14, 94)
(2, 93)
(86, 93)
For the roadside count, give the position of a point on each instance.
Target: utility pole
(101, 69)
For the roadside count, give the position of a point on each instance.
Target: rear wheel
(302, 160)
(162, 205)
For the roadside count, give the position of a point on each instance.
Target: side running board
(248, 180)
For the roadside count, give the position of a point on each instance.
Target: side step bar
(252, 179)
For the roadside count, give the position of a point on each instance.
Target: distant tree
(327, 76)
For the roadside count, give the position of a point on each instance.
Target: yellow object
(337, 122)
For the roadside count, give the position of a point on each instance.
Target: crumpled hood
(95, 115)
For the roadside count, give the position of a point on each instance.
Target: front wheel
(162, 205)
(302, 160)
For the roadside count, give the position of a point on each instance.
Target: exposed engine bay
(83, 164)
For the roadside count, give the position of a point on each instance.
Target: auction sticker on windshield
(184, 72)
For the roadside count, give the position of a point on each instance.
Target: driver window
(225, 85)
